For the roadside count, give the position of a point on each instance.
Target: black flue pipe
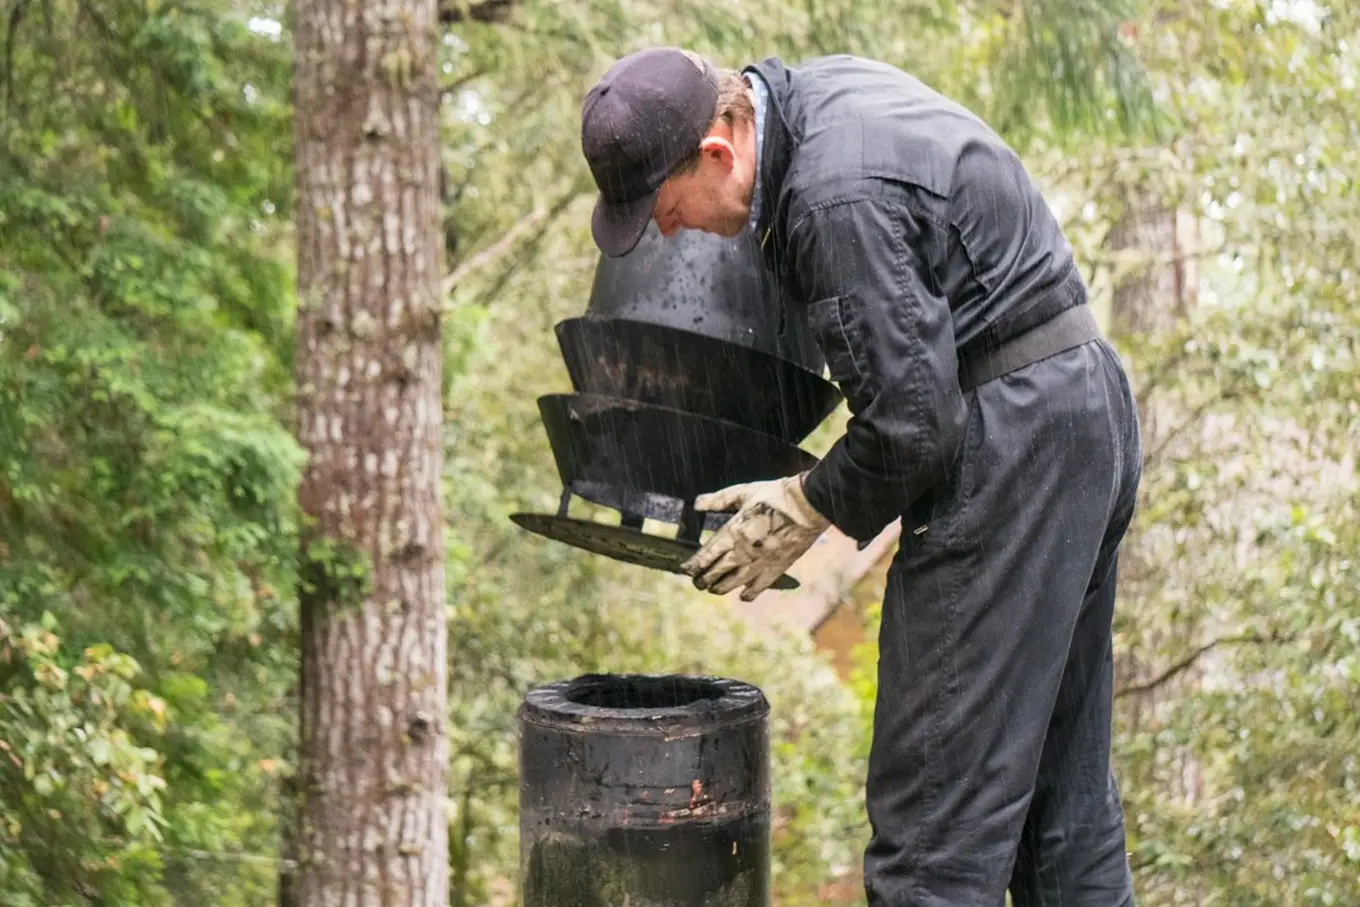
(646, 790)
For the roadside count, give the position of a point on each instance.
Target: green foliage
(1240, 773)
(80, 799)
(146, 480)
(334, 572)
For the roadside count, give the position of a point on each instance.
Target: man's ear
(720, 149)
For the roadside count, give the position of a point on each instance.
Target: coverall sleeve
(888, 337)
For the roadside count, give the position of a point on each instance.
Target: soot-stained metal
(644, 789)
(689, 373)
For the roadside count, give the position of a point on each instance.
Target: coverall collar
(775, 147)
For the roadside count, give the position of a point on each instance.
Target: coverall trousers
(990, 767)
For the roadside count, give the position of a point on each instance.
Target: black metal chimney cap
(708, 284)
(680, 369)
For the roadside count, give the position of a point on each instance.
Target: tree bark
(1145, 303)
(374, 749)
(1157, 291)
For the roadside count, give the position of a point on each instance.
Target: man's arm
(888, 337)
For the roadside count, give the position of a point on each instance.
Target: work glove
(773, 526)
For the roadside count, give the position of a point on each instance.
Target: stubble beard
(740, 213)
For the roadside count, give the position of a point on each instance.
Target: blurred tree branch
(497, 249)
(1186, 662)
(531, 226)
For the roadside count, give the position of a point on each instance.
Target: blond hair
(734, 105)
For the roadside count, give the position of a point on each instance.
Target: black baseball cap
(647, 113)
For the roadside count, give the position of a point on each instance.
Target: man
(986, 412)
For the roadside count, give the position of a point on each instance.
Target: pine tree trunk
(373, 686)
(1147, 303)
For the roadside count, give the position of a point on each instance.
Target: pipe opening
(641, 693)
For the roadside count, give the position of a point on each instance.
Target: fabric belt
(1069, 328)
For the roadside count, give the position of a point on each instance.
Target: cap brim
(617, 228)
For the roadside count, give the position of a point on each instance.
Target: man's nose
(667, 226)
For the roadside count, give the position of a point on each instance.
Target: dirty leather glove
(774, 524)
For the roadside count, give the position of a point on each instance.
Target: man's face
(714, 197)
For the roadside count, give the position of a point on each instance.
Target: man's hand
(774, 524)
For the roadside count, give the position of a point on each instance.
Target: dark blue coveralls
(988, 413)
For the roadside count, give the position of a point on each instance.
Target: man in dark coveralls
(986, 412)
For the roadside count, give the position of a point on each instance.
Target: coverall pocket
(837, 332)
(935, 519)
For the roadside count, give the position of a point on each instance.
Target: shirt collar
(762, 104)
